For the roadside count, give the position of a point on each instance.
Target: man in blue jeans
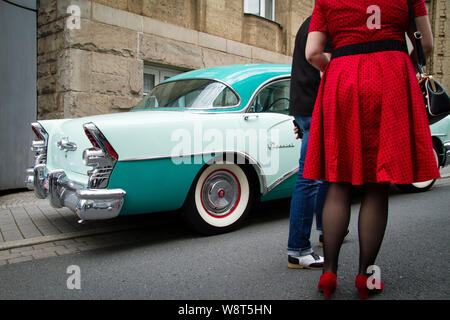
(309, 195)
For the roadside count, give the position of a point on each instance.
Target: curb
(65, 236)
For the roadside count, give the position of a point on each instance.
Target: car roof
(243, 78)
(232, 74)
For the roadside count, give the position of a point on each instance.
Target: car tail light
(91, 138)
(39, 146)
(98, 140)
(39, 131)
(36, 132)
(111, 151)
(102, 157)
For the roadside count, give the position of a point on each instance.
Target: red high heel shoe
(363, 290)
(327, 284)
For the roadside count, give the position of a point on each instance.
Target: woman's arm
(424, 27)
(315, 46)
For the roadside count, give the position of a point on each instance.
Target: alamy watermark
(374, 281)
(374, 21)
(74, 280)
(73, 21)
(200, 145)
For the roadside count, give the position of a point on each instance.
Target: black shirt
(305, 79)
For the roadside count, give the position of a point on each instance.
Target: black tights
(371, 225)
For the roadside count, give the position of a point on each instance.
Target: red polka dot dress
(369, 123)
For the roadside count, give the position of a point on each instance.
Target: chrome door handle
(250, 116)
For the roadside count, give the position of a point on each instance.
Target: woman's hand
(296, 131)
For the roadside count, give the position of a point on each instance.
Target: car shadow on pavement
(161, 227)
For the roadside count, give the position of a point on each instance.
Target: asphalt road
(169, 262)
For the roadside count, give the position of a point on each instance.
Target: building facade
(102, 56)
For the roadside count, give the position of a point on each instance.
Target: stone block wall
(98, 68)
(441, 29)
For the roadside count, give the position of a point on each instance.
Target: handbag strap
(417, 38)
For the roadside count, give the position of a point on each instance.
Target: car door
(277, 150)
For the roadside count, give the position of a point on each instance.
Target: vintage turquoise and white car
(211, 142)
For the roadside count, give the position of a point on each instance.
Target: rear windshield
(190, 94)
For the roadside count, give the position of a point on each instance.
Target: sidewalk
(31, 229)
(23, 216)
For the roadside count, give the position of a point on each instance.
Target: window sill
(264, 18)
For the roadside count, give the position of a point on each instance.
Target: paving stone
(8, 226)
(60, 252)
(11, 256)
(92, 247)
(21, 259)
(42, 223)
(65, 242)
(4, 253)
(43, 254)
(11, 235)
(30, 232)
(19, 212)
(22, 250)
(44, 246)
(57, 220)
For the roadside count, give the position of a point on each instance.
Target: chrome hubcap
(220, 193)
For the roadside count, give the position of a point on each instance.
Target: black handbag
(437, 100)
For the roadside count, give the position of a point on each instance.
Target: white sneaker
(311, 261)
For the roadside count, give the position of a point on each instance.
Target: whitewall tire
(219, 199)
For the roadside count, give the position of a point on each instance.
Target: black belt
(370, 47)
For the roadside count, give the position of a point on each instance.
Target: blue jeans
(308, 197)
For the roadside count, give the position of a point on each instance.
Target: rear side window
(190, 94)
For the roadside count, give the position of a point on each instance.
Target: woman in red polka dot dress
(369, 125)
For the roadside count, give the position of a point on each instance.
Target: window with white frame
(154, 75)
(263, 8)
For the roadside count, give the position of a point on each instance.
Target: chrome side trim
(280, 180)
(225, 156)
(244, 157)
(166, 157)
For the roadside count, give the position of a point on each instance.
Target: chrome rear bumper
(88, 204)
